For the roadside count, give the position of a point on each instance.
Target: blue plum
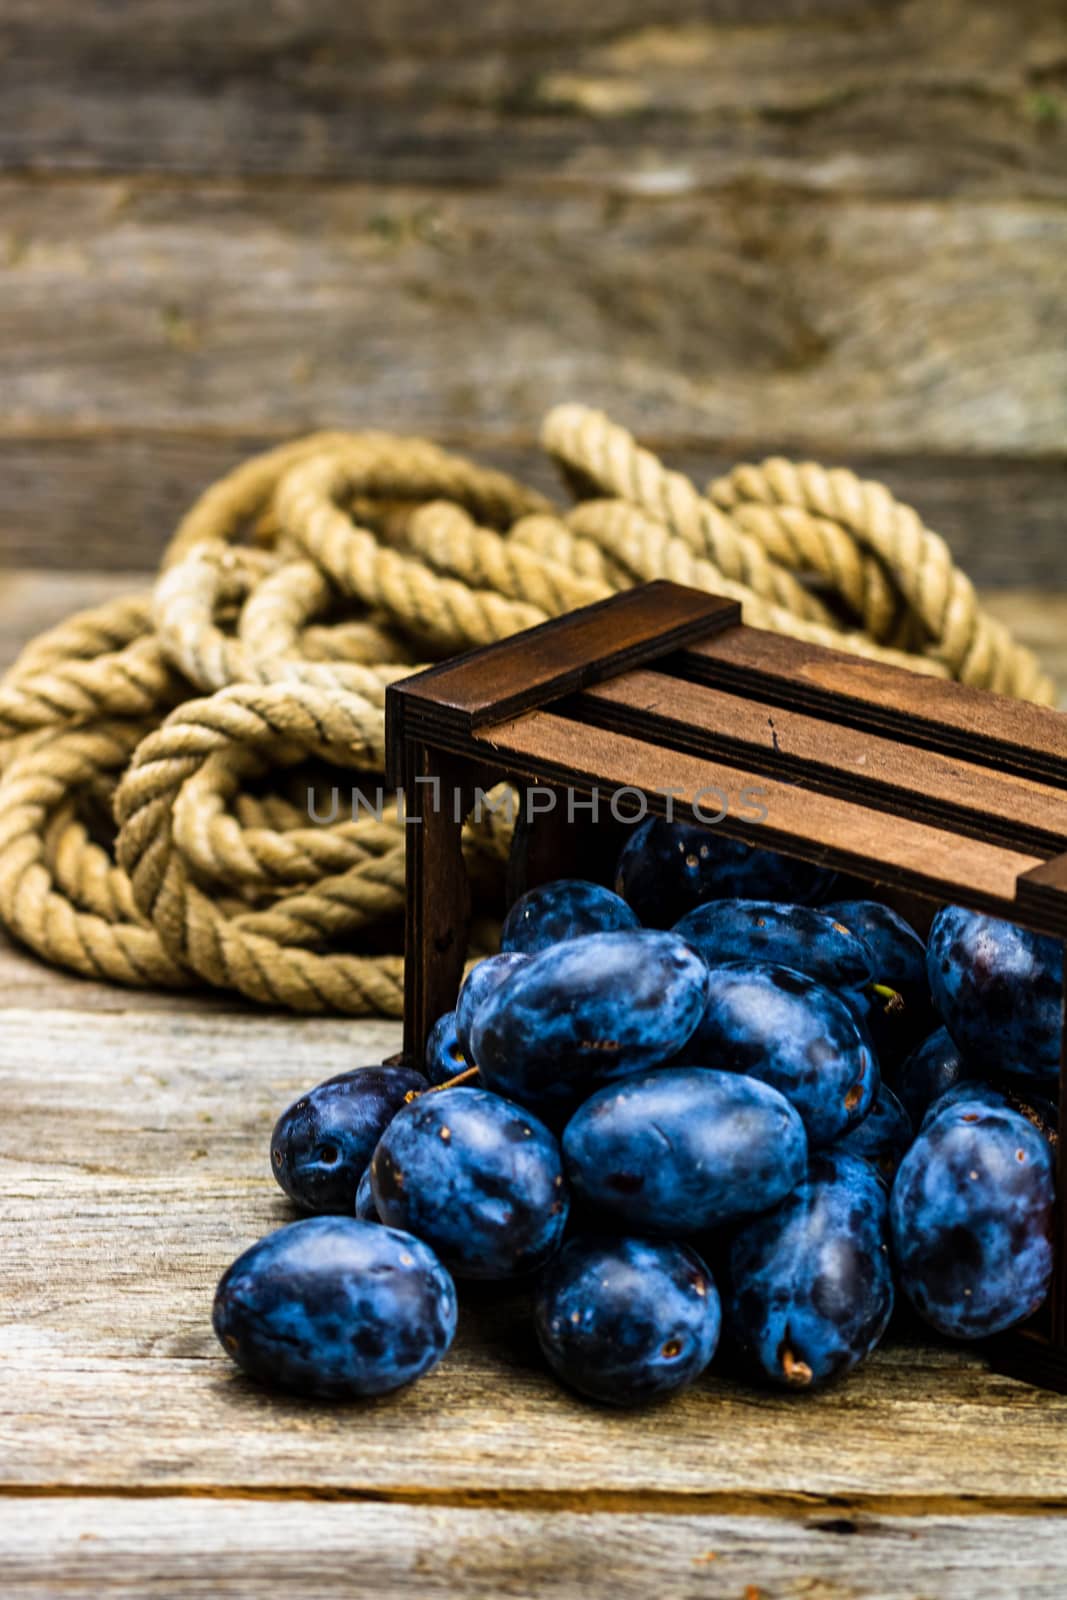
(999, 991)
(587, 1011)
(477, 986)
(625, 1321)
(683, 1149)
(479, 1178)
(564, 909)
(970, 1091)
(933, 1067)
(883, 1136)
(782, 1027)
(791, 936)
(667, 868)
(899, 954)
(365, 1208)
(322, 1143)
(811, 1289)
(444, 1053)
(1039, 1111)
(337, 1308)
(972, 1212)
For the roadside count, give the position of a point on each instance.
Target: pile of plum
(723, 1104)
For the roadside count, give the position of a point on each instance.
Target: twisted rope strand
(650, 550)
(86, 634)
(974, 647)
(611, 458)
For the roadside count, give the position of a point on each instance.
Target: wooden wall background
(835, 227)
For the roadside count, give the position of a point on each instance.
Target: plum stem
(796, 1372)
(450, 1083)
(894, 1000)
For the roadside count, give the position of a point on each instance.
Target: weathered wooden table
(135, 1460)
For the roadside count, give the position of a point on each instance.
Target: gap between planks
(623, 1502)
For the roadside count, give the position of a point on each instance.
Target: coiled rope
(158, 754)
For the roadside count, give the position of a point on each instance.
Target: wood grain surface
(834, 96)
(912, 856)
(85, 1547)
(134, 1460)
(804, 321)
(202, 322)
(747, 731)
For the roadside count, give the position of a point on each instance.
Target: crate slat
(947, 791)
(985, 728)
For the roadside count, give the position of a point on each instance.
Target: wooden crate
(926, 787)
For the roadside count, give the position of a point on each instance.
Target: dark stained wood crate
(923, 786)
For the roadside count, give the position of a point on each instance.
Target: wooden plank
(76, 497)
(122, 1549)
(133, 1154)
(911, 327)
(816, 827)
(840, 96)
(1028, 739)
(559, 657)
(890, 774)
